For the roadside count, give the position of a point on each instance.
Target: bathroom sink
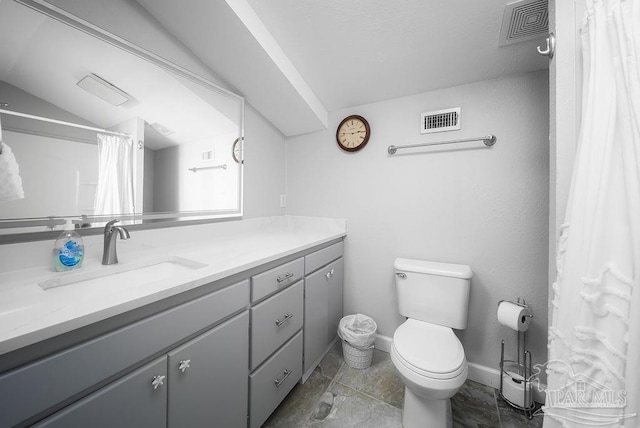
(124, 274)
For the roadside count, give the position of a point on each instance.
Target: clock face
(237, 151)
(353, 133)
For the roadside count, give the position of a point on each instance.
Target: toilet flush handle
(401, 275)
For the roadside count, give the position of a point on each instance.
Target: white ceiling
(361, 51)
(294, 60)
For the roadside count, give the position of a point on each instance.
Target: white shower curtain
(114, 192)
(594, 337)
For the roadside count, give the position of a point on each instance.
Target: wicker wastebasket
(358, 334)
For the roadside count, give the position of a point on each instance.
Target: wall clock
(237, 151)
(353, 133)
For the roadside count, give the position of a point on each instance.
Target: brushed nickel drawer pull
(278, 382)
(286, 318)
(284, 277)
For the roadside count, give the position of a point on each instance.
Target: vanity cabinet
(85, 369)
(226, 358)
(276, 338)
(323, 303)
(196, 383)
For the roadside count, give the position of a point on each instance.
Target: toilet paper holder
(516, 376)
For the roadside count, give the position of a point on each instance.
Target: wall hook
(551, 46)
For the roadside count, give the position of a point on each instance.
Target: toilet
(425, 351)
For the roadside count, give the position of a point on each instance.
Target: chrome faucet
(109, 254)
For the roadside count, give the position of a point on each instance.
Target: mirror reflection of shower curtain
(114, 192)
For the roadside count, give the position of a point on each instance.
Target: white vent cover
(440, 120)
(524, 20)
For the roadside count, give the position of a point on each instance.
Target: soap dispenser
(68, 250)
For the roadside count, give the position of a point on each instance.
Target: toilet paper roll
(513, 389)
(514, 316)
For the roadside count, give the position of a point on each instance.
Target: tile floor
(336, 395)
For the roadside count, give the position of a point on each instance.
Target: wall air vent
(524, 20)
(440, 120)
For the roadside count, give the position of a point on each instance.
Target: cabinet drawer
(274, 321)
(270, 384)
(316, 260)
(38, 386)
(129, 402)
(274, 279)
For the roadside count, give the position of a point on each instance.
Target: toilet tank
(433, 292)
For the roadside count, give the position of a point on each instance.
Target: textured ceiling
(360, 51)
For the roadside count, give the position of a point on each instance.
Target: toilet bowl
(431, 362)
(425, 351)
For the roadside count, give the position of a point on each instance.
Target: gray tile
(298, 405)
(330, 365)
(336, 349)
(512, 418)
(474, 406)
(380, 380)
(342, 406)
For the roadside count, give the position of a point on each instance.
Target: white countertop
(29, 314)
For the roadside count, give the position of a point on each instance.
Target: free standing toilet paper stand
(516, 377)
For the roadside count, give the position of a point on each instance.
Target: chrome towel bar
(488, 140)
(194, 169)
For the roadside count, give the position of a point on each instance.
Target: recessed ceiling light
(104, 90)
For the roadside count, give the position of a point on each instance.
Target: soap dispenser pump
(68, 250)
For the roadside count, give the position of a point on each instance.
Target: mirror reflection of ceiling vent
(524, 20)
(104, 90)
(440, 120)
(162, 129)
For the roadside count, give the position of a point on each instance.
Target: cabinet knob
(157, 381)
(330, 273)
(184, 365)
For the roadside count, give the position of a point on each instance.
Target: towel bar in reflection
(196, 169)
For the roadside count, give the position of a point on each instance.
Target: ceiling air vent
(439, 121)
(524, 20)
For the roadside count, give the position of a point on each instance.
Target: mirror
(102, 129)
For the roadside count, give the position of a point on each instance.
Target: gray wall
(487, 208)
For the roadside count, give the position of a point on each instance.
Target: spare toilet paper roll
(513, 389)
(514, 316)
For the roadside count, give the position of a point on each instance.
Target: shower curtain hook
(551, 46)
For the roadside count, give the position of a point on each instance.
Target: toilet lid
(430, 349)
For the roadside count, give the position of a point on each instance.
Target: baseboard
(491, 377)
(477, 373)
(383, 343)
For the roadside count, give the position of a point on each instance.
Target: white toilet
(425, 351)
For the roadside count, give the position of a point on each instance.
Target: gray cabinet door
(129, 402)
(316, 316)
(323, 301)
(208, 378)
(335, 287)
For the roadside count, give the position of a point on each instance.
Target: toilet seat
(429, 350)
